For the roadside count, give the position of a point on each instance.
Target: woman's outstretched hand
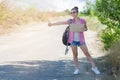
(49, 24)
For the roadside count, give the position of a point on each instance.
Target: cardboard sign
(77, 27)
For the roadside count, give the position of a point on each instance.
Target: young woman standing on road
(76, 39)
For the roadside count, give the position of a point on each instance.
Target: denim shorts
(76, 43)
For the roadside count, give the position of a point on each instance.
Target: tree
(108, 12)
(89, 9)
(67, 11)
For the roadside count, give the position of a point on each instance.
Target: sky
(50, 5)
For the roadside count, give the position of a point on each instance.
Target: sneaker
(76, 72)
(95, 70)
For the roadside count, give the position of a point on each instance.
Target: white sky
(50, 5)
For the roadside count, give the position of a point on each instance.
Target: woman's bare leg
(85, 51)
(75, 56)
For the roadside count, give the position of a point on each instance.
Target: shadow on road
(46, 70)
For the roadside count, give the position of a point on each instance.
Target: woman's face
(74, 13)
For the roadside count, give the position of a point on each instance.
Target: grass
(10, 18)
(93, 23)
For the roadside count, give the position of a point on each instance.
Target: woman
(76, 39)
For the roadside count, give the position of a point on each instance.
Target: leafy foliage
(89, 9)
(108, 12)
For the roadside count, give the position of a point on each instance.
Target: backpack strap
(67, 47)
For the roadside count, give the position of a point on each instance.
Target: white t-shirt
(76, 36)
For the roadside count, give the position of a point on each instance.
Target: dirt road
(36, 44)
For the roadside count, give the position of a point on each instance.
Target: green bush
(110, 36)
(108, 12)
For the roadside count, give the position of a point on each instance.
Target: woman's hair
(75, 8)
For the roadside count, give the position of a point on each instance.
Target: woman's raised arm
(57, 23)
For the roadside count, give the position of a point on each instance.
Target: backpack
(65, 37)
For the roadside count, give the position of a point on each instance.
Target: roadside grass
(110, 63)
(10, 18)
(93, 23)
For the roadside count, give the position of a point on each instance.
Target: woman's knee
(75, 57)
(75, 54)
